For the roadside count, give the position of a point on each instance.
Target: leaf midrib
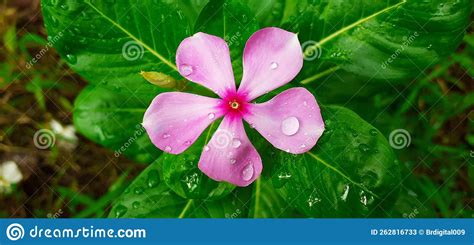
(316, 157)
(154, 52)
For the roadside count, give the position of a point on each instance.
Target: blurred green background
(437, 109)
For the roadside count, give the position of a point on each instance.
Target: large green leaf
(393, 39)
(352, 171)
(149, 197)
(111, 43)
(114, 119)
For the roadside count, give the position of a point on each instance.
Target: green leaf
(114, 120)
(352, 171)
(111, 43)
(394, 39)
(148, 196)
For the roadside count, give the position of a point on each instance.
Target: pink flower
(291, 121)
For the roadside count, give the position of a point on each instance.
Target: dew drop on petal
(168, 148)
(165, 136)
(290, 126)
(211, 116)
(187, 142)
(247, 173)
(273, 65)
(303, 146)
(233, 161)
(186, 70)
(236, 143)
(206, 148)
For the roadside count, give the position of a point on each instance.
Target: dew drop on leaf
(120, 211)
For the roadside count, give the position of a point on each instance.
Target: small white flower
(10, 173)
(66, 133)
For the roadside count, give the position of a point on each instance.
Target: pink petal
(272, 58)
(230, 156)
(175, 120)
(291, 121)
(205, 59)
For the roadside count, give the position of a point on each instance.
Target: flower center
(234, 104)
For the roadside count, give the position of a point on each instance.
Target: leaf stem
(186, 208)
(258, 185)
(361, 21)
(321, 74)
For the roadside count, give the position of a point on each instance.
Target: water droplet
(364, 148)
(136, 204)
(138, 190)
(120, 211)
(305, 103)
(303, 146)
(247, 173)
(168, 148)
(165, 136)
(290, 126)
(211, 116)
(187, 142)
(153, 179)
(233, 161)
(72, 59)
(206, 148)
(273, 65)
(191, 181)
(236, 143)
(346, 192)
(186, 70)
(373, 132)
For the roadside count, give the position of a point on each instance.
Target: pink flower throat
(234, 104)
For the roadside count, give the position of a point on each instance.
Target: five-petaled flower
(291, 121)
